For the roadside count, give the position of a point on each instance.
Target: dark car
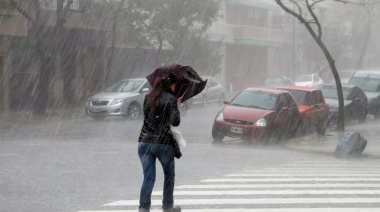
(369, 82)
(355, 102)
(257, 113)
(271, 82)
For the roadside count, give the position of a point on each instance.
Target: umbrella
(188, 84)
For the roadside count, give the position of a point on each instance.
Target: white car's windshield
(125, 86)
(304, 78)
(255, 99)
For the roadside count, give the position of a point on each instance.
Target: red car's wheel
(217, 136)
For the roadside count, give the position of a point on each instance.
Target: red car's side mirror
(226, 102)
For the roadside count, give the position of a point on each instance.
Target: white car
(124, 98)
(309, 80)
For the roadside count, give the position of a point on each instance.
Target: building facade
(254, 34)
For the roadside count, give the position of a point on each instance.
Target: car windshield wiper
(257, 107)
(239, 105)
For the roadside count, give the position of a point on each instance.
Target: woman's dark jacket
(156, 126)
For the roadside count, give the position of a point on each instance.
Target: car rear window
(332, 93)
(255, 99)
(301, 97)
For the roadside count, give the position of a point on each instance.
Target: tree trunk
(43, 87)
(4, 76)
(340, 124)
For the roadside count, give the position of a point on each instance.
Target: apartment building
(252, 34)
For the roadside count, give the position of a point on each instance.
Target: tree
(303, 10)
(45, 42)
(178, 26)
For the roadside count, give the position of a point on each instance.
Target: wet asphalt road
(80, 164)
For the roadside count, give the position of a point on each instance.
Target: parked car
(257, 113)
(124, 98)
(344, 76)
(355, 102)
(369, 82)
(213, 92)
(308, 80)
(311, 105)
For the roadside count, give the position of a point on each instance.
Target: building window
(49, 4)
(77, 5)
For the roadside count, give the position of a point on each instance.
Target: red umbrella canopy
(188, 84)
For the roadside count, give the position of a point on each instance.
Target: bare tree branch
(298, 6)
(298, 16)
(21, 11)
(311, 11)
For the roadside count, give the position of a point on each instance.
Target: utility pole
(294, 68)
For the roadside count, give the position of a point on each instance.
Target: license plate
(96, 110)
(236, 130)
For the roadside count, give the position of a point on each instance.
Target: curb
(327, 153)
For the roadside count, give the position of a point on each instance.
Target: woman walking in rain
(156, 141)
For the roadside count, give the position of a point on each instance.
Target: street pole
(294, 71)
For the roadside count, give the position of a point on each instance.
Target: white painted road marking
(253, 201)
(263, 210)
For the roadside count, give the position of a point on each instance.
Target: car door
(282, 109)
(321, 108)
(293, 116)
(311, 113)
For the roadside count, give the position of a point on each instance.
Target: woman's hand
(179, 102)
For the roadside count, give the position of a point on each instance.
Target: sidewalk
(27, 116)
(327, 143)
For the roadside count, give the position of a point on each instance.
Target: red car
(311, 104)
(257, 113)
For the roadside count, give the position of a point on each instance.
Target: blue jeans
(148, 152)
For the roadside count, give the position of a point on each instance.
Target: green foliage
(180, 27)
(4, 4)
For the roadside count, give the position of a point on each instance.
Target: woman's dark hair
(163, 84)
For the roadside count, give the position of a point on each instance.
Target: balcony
(257, 33)
(220, 31)
(12, 23)
(247, 34)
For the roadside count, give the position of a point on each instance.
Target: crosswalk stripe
(300, 184)
(253, 201)
(258, 186)
(331, 165)
(290, 180)
(301, 175)
(273, 192)
(311, 171)
(263, 210)
(316, 170)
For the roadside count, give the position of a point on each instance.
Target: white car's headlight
(117, 101)
(220, 117)
(261, 123)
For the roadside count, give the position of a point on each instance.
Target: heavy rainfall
(275, 105)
